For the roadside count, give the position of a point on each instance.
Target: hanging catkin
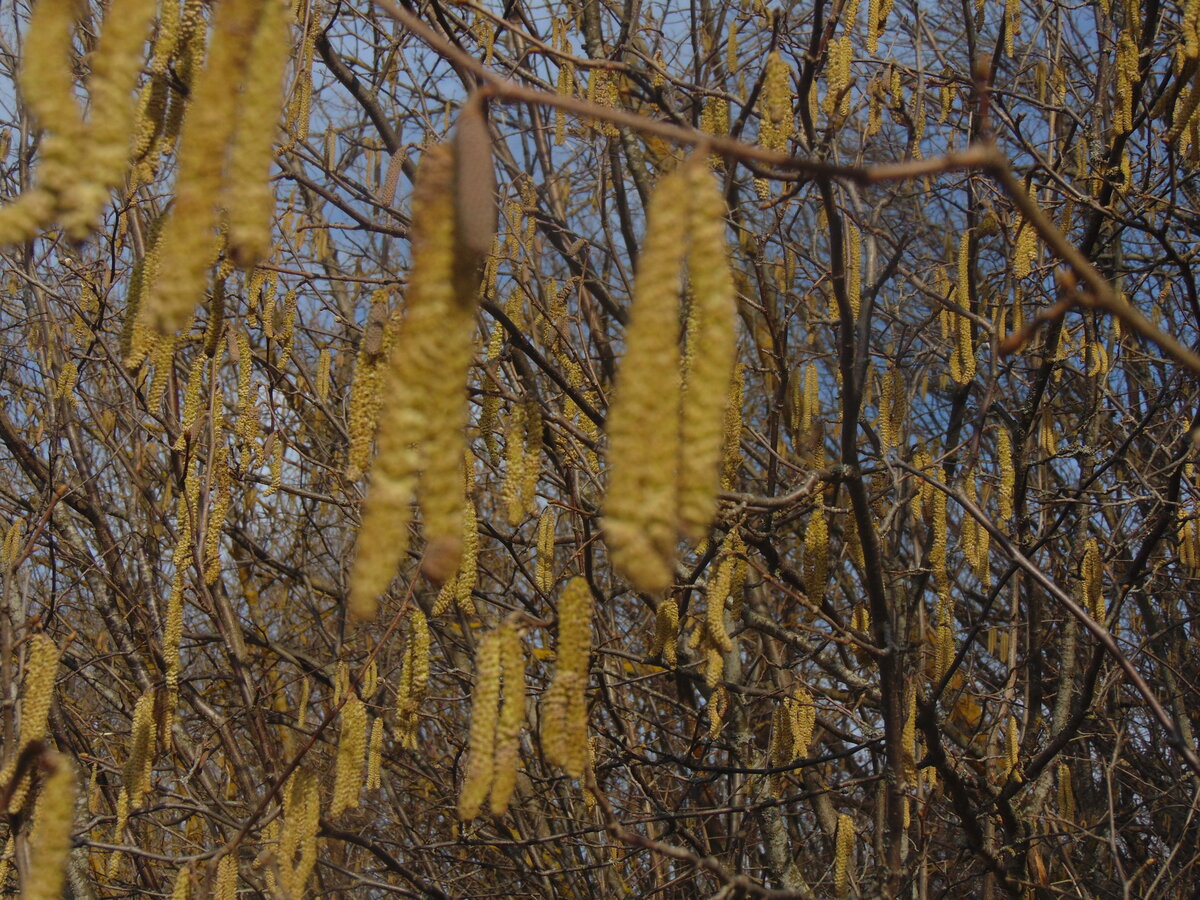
(507, 751)
(50, 839)
(351, 753)
(711, 350)
(189, 242)
(564, 707)
(425, 409)
(643, 424)
(844, 849)
(544, 574)
(484, 716)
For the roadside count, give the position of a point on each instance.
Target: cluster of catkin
(723, 601)
(497, 714)
(423, 410)
(564, 707)
(666, 425)
(81, 161)
(226, 148)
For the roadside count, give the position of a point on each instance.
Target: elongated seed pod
(844, 849)
(643, 423)
(249, 197)
(351, 753)
(512, 716)
(50, 840)
(482, 739)
(711, 349)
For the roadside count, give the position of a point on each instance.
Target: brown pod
(474, 185)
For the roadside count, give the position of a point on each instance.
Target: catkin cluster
(564, 707)
(497, 713)
(351, 753)
(298, 838)
(225, 152)
(422, 419)
(792, 727)
(414, 679)
(74, 186)
(665, 443)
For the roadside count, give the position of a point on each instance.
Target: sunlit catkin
(365, 390)
(142, 740)
(711, 349)
(37, 688)
(666, 630)
(225, 884)
(844, 848)
(816, 555)
(484, 716)
(568, 748)
(1092, 572)
(544, 573)
(507, 750)
(351, 753)
(50, 838)
(298, 840)
(1008, 478)
(116, 65)
(643, 424)
(249, 197)
(189, 242)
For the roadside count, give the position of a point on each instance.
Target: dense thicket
(939, 637)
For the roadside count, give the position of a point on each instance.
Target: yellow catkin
(643, 423)
(367, 387)
(544, 574)
(873, 26)
(801, 715)
(718, 706)
(181, 888)
(777, 122)
(116, 65)
(425, 411)
(50, 838)
(414, 679)
(220, 497)
(351, 753)
(1093, 581)
(514, 465)
(1008, 477)
(854, 268)
(908, 738)
(47, 86)
(322, 378)
(731, 440)
(1012, 24)
(484, 716)
(531, 464)
(142, 743)
(816, 555)
(1127, 77)
(837, 75)
(565, 87)
(37, 688)
(844, 848)
(566, 737)
(718, 594)
(225, 884)
(711, 351)
(1012, 747)
(666, 630)
(1066, 794)
(507, 749)
(375, 756)
(298, 840)
(12, 544)
(249, 197)
(189, 242)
